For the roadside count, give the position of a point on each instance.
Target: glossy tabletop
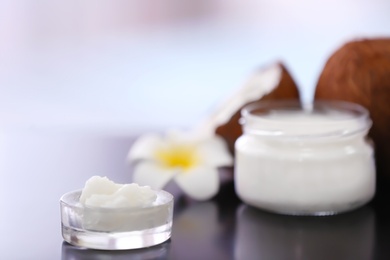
(37, 166)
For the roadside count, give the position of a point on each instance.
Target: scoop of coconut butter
(102, 192)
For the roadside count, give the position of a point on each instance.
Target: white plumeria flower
(190, 159)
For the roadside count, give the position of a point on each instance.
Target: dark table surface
(37, 166)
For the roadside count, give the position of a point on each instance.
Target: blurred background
(132, 65)
(78, 78)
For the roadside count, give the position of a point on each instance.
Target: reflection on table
(262, 235)
(75, 253)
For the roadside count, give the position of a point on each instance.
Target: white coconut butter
(110, 206)
(102, 192)
(315, 162)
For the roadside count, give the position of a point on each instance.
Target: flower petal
(152, 174)
(144, 147)
(214, 152)
(200, 183)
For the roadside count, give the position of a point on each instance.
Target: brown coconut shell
(286, 89)
(359, 72)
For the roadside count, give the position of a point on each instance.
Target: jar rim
(335, 118)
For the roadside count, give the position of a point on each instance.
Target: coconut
(359, 72)
(269, 83)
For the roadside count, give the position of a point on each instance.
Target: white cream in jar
(305, 162)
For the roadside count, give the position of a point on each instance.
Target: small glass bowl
(116, 228)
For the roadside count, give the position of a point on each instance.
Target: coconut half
(359, 72)
(272, 82)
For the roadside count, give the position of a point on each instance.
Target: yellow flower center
(175, 156)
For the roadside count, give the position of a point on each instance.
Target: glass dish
(116, 228)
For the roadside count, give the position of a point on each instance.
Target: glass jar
(297, 161)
